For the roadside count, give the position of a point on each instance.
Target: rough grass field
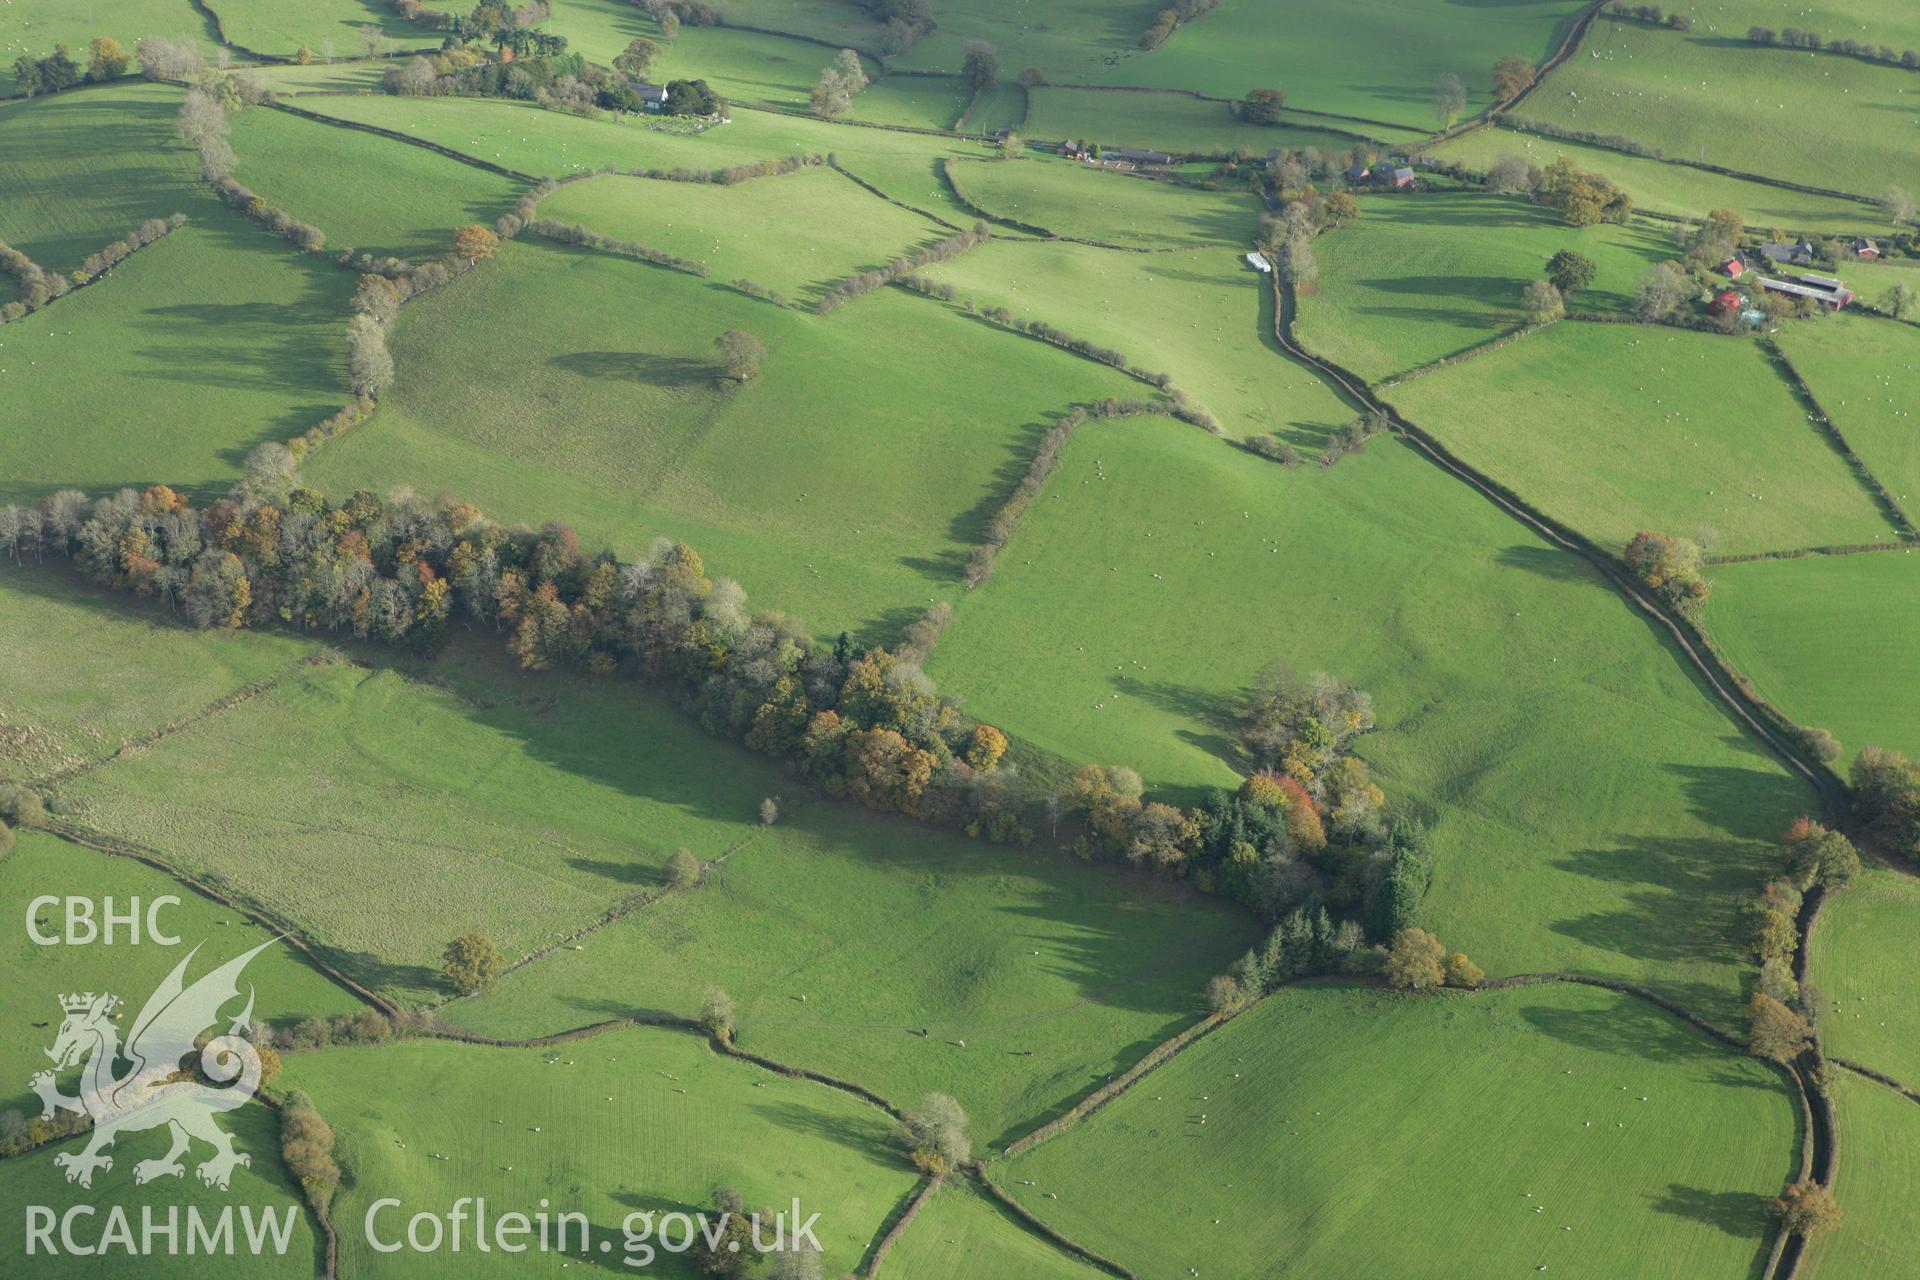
(1708, 98)
(1672, 188)
(1828, 639)
(1616, 428)
(1879, 1157)
(1562, 1127)
(67, 700)
(636, 1120)
(383, 815)
(1415, 280)
(849, 229)
(222, 334)
(86, 168)
(260, 1188)
(961, 1234)
(1866, 375)
(365, 192)
(1223, 356)
(1071, 198)
(1863, 946)
(1505, 676)
(904, 960)
(288, 988)
(892, 448)
(1180, 124)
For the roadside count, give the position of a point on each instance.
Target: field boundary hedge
(1485, 346)
(27, 273)
(928, 1185)
(398, 136)
(1878, 1077)
(1034, 229)
(1768, 722)
(1228, 102)
(1863, 473)
(833, 162)
(1053, 1234)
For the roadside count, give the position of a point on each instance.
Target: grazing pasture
(848, 229)
(328, 28)
(1617, 428)
(1505, 676)
(1866, 375)
(892, 450)
(636, 1120)
(1671, 188)
(217, 338)
(367, 193)
(1879, 1157)
(1069, 197)
(904, 960)
(1418, 279)
(287, 987)
(1860, 952)
(76, 656)
(1181, 124)
(33, 27)
(1223, 356)
(1828, 639)
(86, 168)
(382, 815)
(1562, 1127)
(1705, 97)
(961, 1234)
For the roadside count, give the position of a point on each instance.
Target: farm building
(1400, 178)
(1825, 290)
(1732, 268)
(1865, 248)
(1792, 255)
(1357, 173)
(652, 96)
(1727, 301)
(1134, 155)
(1258, 261)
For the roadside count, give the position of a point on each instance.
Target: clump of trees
(1168, 20)
(1449, 99)
(840, 83)
(740, 355)
(306, 1145)
(935, 1135)
(39, 287)
(1570, 272)
(1808, 1209)
(473, 964)
(1582, 198)
(1274, 450)
(368, 1026)
(1774, 1031)
(1670, 566)
(716, 1014)
(1513, 75)
(164, 59)
(1261, 106)
(1418, 961)
(1797, 38)
(1352, 436)
(905, 21)
(50, 74)
(1542, 302)
(980, 67)
(1652, 14)
(1886, 791)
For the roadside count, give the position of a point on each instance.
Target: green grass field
(962, 1234)
(1863, 373)
(1825, 638)
(1223, 356)
(384, 815)
(287, 987)
(1864, 943)
(1034, 978)
(1069, 197)
(872, 502)
(1879, 1139)
(848, 230)
(34, 27)
(213, 340)
(1180, 124)
(259, 1189)
(1616, 428)
(921, 102)
(1508, 1128)
(86, 168)
(67, 702)
(1704, 97)
(1672, 188)
(1887, 22)
(636, 1120)
(1415, 280)
(277, 27)
(1505, 676)
(366, 193)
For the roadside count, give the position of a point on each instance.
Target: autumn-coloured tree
(935, 1134)
(1511, 76)
(110, 60)
(986, 748)
(1808, 1209)
(1774, 1031)
(1462, 972)
(1816, 855)
(1416, 961)
(1109, 798)
(1262, 106)
(475, 242)
(473, 964)
(1670, 566)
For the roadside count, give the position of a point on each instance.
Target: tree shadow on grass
(1742, 1214)
(1552, 564)
(1632, 1028)
(656, 368)
(623, 872)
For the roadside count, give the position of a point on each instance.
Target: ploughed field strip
(1043, 458)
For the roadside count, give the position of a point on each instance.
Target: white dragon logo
(155, 1090)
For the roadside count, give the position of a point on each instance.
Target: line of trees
(1797, 38)
(1651, 13)
(1168, 20)
(306, 1145)
(38, 286)
(847, 288)
(574, 233)
(732, 174)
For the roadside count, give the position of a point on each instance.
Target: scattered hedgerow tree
(935, 1135)
(473, 964)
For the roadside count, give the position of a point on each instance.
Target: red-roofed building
(1728, 301)
(1732, 268)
